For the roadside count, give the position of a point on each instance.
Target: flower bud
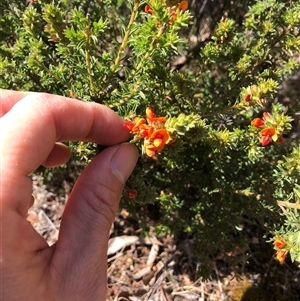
(150, 112)
(257, 122)
(132, 194)
(279, 243)
(281, 256)
(248, 97)
(148, 9)
(267, 117)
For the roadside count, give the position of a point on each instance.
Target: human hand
(32, 126)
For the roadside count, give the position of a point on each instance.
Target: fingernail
(124, 161)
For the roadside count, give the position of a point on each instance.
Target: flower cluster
(173, 10)
(279, 244)
(152, 130)
(268, 130)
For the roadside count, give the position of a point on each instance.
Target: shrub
(225, 151)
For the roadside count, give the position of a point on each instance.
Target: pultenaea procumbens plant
(203, 163)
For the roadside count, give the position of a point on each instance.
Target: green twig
(88, 59)
(148, 53)
(50, 72)
(126, 36)
(141, 63)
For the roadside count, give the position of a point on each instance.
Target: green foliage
(215, 172)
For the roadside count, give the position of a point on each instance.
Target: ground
(161, 268)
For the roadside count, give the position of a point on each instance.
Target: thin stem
(50, 72)
(148, 53)
(126, 36)
(281, 204)
(141, 63)
(88, 59)
(288, 204)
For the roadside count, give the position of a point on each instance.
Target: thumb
(81, 249)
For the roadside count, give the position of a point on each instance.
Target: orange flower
(172, 16)
(265, 140)
(158, 120)
(160, 138)
(257, 122)
(150, 112)
(151, 117)
(183, 5)
(150, 150)
(156, 142)
(154, 133)
(268, 134)
(138, 121)
(128, 125)
(268, 131)
(281, 256)
(279, 242)
(146, 130)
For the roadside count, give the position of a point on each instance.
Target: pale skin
(33, 127)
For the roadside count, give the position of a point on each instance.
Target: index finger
(31, 128)
(37, 121)
(8, 98)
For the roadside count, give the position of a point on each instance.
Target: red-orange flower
(281, 255)
(269, 131)
(134, 126)
(132, 194)
(151, 117)
(150, 150)
(268, 134)
(154, 133)
(150, 112)
(279, 243)
(183, 5)
(148, 9)
(146, 130)
(157, 142)
(128, 125)
(138, 122)
(160, 137)
(172, 16)
(158, 120)
(265, 140)
(257, 122)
